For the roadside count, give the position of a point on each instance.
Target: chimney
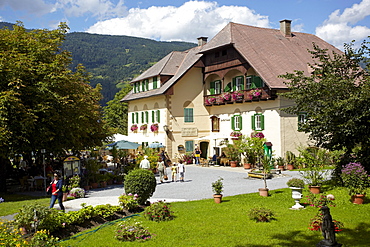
(285, 28)
(202, 41)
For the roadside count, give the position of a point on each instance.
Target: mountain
(115, 60)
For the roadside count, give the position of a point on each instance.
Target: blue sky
(335, 21)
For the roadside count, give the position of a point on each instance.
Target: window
(302, 120)
(236, 122)
(155, 82)
(224, 52)
(258, 122)
(215, 87)
(137, 87)
(188, 115)
(238, 83)
(248, 82)
(215, 124)
(189, 146)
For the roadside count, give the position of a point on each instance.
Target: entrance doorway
(204, 149)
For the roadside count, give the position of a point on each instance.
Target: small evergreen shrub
(132, 230)
(159, 211)
(128, 201)
(141, 182)
(295, 182)
(261, 214)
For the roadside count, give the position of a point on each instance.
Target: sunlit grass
(204, 223)
(13, 202)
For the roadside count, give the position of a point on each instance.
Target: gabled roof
(175, 64)
(268, 51)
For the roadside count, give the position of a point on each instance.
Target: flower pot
(314, 189)
(264, 192)
(103, 184)
(65, 195)
(358, 199)
(290, 167)
(217, 198)
(297, 196)
(94, 185)
(281, 168)
(247, 166)
(233, 163)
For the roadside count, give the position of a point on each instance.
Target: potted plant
(154, 127)
(296, 184)
(266, 166)
(252, 148)
(313, 159)
(217, 188)
(143, 127)
(290, 159)
(280, 162)
(356, 179)
(134, 127)
(233, 154)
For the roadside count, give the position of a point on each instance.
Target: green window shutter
(228, 87)
(153, 117)
(256, 81)
(253, 78)
(253, 122)
(212, 88)
(242, 78)
(146, 117)
(234, 84)
(133, 118)
(240, 122)
(233, 122)
(135, 87)
(188, 115)
(155, 82)
(137, 117)
(146, 85)
(189, 146)
(142, 117)
(158, 116)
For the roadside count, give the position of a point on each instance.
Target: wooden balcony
(250, 95)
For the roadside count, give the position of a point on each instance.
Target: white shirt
(145, 164)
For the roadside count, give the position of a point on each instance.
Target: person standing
(174, 171)
(197, 156)
(181, 169)
(145, 164)
(56, 191)
(160, 168)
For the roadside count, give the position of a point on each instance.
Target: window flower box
(134, 127)
(226, 96)
(211, 100)
(257, 134)
(143, 127)
(237, 95)
(236, 134)
(154, 127)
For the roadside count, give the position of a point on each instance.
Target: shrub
(295, 182)
(159, 211)
(141, 182)
(316, 223)
(106, 211)
(43, 238)
(32, 216)
(261, 214)
(128, 201)
(10, 236)
(132, 230)
(77, 193)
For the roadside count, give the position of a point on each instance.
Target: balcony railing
(241, 96)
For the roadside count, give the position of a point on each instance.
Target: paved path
(197, 186)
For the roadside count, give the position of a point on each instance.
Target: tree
(335, 97)
(43, 103)
(115, 113)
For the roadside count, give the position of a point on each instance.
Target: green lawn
(204, 223)
(13, 202)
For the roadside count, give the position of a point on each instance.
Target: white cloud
(187, 22)
(101, 9)
(36, 7)
(341, 28)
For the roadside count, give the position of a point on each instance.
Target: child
(174, 171)
(181, 169)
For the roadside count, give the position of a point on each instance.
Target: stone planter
(297, 196)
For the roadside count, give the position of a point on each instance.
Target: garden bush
(132, 230)
(141, 182)
(128, 202)
(159, 211)
(261, 214)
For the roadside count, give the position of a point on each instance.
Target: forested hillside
(114, 59)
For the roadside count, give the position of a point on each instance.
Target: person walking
(197, 156)
(56, 191)
(181, 169)
(174, 172)
(145, 164)
(160, 168)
